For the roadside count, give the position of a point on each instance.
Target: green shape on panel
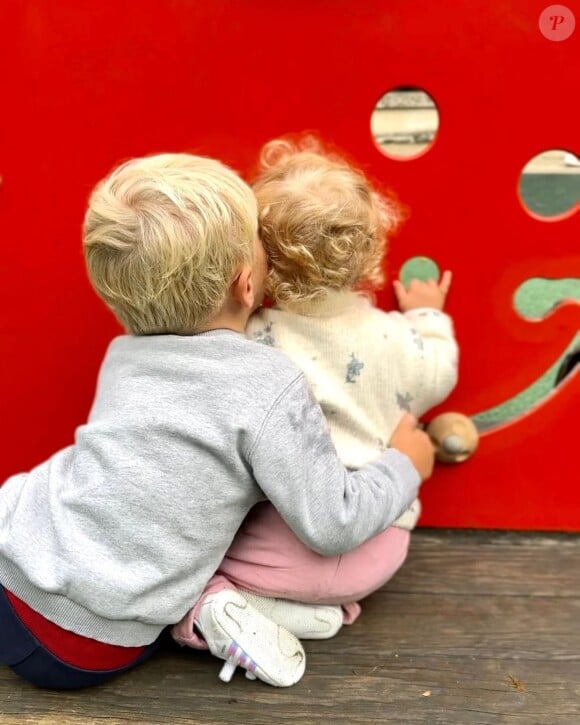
(527, 399)
(537, 297)
(422, 268)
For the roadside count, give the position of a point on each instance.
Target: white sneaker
(242, 636)
(305, 621)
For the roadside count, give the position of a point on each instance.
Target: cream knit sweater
(366, 367)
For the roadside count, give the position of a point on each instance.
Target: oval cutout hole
(549, 185)
(405, 122)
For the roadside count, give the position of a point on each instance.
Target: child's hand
(422, 294)
(416, 444)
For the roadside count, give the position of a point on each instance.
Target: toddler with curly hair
(325, 230)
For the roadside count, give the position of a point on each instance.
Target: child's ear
(243, 287)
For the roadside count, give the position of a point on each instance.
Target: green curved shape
(526, 399)
(537, 297)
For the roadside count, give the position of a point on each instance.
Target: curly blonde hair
(163, 239)
(322, 224)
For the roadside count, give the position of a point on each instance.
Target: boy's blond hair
(322, 224)
(164, 237)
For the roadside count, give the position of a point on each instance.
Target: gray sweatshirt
(116, 536)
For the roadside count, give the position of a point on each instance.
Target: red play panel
(85, 85)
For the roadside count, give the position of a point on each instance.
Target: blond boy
(111, 539)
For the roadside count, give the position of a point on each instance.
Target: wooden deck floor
(476, 628)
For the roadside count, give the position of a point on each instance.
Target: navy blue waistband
(27, 657)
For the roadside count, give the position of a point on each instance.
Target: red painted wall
(84, 85)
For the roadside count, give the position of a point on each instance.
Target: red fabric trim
(83, 652)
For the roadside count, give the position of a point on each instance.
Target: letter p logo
(557, 22)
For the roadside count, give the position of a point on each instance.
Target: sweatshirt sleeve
(332, 510)
(432, 354)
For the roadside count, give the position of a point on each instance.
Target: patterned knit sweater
(366, 367)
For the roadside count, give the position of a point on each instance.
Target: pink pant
(266, 557)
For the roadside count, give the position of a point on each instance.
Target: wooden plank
(477, 562)
(491, 626)
(468, 632)
(462, 690)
